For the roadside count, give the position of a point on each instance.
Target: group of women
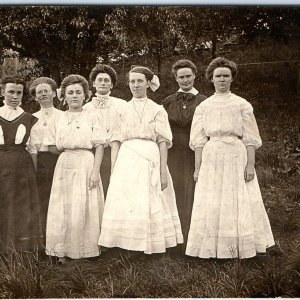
(208, 204)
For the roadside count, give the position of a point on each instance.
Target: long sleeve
(197, 136)
(250, 135)
(162, 128)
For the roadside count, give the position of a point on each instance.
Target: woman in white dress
(140, 212)
(228, 218)
(104, 78)
(76, 200)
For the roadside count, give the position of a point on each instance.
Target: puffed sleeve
(162, 128)
(99, 136)
(250, 135)
(197, 135)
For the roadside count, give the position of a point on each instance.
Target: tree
(63, 39)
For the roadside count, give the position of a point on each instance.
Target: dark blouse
(181, 107)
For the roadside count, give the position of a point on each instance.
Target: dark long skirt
(181, 161)
(46, 162)
(20, 226)
(105, 169)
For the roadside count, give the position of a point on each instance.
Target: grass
(272, 92)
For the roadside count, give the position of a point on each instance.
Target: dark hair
(143, 70)
(41, 80)
(103, 69)
(13, 79)
(73, 79)
(220, 62)
(183, 63)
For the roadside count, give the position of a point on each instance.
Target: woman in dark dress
(180, 107)
(20, 226)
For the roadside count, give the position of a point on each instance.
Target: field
(272, 90)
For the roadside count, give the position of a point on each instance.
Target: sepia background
(264, 41)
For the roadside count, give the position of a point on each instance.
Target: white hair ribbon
(154, 83)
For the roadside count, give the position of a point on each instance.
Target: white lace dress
(228, 217)
(137, 215)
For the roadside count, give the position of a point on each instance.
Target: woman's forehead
(135, 75)
(13, 86)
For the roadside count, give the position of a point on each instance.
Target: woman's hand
(196, 174)
(94, 179)
(53, 149)
(249, 172)
(163, 180)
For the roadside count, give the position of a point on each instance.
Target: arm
(95, 176)
(163, 164)
(115, 146)
(198, 161)
(53, 149)
(249, 170)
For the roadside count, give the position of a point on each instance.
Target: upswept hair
(73, 79)
(100, 68)
(220, 62)
(183, 63)
(40, 80)
(143, 70)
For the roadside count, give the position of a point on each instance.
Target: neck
(72, 109)
(45, 106)
(102, 95)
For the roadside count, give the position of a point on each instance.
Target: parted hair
(73, 79)
(101, 68)
(143, 70)
(220, 62)
(183, 63)
(13, 79)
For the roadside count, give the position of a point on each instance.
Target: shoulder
(169, 99)
(37, 114)
(57, 111)
(88, 105)
(242, 102)
(200, 97)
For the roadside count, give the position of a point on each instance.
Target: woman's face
(44, 94)
(103, 83)
(185, 78)
(13, 94)
(74, 95)
(222, 79)
(138, 85)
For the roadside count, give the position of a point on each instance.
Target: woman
(180, 108)
(76, 200)
(140, 212)
(228, 218)
(104, 78)
(43, 89)
(20, 226)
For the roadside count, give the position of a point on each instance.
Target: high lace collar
(101, 101)
(139, 99)
(218, 97)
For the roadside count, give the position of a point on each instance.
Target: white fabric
(1, 136)
(154, 83)
(82, 130)
(107, 108)
(10, 113)
(75, 211)
(138, 215)
(40, 133)
(224, 115)
(192, 91)
(228, 217)
(21, 131)
(143, 119)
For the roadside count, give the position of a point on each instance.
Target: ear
(112, 86)
(94, 84)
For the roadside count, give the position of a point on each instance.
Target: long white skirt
(137, 215)
(228, 218)
(75, 212)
